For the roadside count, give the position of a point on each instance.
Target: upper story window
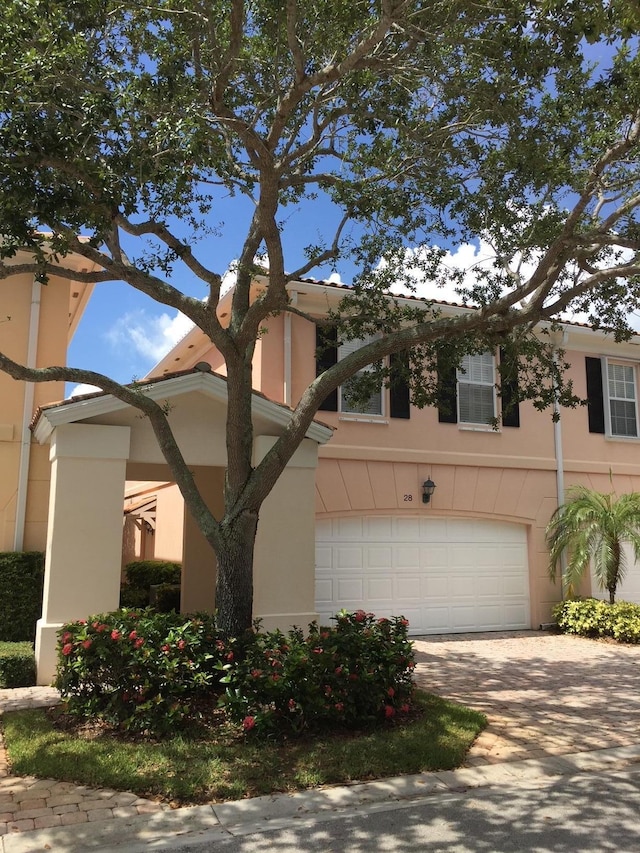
(468, 394)
(395, 399)
(349, 403)
(476, 389)
(623, 406)
(612, 396)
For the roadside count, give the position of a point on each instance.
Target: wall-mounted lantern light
(428, 488)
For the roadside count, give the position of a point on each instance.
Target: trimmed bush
(353, 674)
(142, 574)
(17, 665)
(165, 597)
(21, 583)
(140, 671)
(590, 617)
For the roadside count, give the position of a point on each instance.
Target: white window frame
(461, 380)
(607, 397)
(346, 349)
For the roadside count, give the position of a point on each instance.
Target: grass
(225, 767)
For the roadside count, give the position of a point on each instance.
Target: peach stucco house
(474, 557)
(346, 525)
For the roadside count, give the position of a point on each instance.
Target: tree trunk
(234, 586)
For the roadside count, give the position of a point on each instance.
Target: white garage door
(443, 575)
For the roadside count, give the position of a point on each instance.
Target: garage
(445, 575)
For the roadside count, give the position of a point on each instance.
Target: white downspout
(557, 440)
(27, 412)
(293, 298)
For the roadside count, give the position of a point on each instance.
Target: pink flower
(66, 637)
(181, 644)
(327, 690)
(389, 712)
(248, 723)
(391, 692)
(292, 704)
(139, 642)
(101, 628)
(230, 656)
(256, 673)
(67, 649)
(404, 622)
(166, 649)
(338, 670)
(86, 644)
(115, 635)
(404, 709)
(133, 635)
(360, 615)
(275, 677)
(339, 706)
(353, 677)
(317, 651)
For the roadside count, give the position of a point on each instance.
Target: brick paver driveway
(543, 694)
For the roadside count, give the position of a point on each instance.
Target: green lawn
(225, 767)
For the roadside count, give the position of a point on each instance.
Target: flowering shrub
(141, 671)
(590, 617)
(352, 674)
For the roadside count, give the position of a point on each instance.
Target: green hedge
(590, 617)
(141, 575)
(17, 665)
(21, 583)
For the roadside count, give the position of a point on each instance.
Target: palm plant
(592, 525)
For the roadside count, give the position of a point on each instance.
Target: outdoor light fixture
(428, 488)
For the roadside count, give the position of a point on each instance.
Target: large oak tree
(424, 122)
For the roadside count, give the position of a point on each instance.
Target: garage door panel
(433, 530)
(351, 590)
(324, 558)
(324, 593)
(379, 590)
(435, 586)
(380, 557)
(489, 586)
(349, 558)
(378, 529)
(408, 588)
(442, 574)
(462, 555)
(406, 557)
(434, 557)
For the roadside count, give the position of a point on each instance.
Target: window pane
(621, 381)
(623, 418)
(371, 406)
(476, 403)
(477, 368)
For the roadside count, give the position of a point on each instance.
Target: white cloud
(79, 390)
(150, 336)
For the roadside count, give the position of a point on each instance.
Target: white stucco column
(284, 559)
(84, 532)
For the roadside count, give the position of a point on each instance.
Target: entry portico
(97, 442)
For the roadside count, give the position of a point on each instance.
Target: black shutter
(595, 396)
(509, 391)
(447, 392)
(398, 386)
(326, 357)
